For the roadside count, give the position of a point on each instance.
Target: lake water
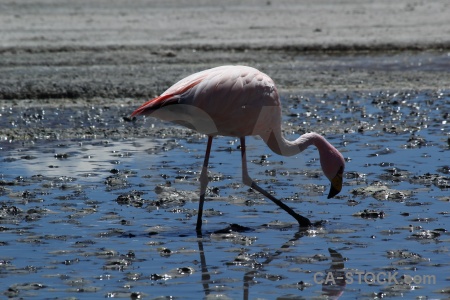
(96, 218)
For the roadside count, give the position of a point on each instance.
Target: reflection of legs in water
(248, 277)
(206, 278)
(337, 267)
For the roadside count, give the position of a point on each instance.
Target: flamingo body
(239, 101)
(226, 101)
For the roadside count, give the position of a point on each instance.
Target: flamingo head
(336, 183)
(333, 165)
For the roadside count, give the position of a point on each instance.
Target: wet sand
(82, 215)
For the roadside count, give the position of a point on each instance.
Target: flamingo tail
(166, 99)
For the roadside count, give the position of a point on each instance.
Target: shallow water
(116, 217)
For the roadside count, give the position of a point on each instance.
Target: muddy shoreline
(104, 88)
(99, 51)
(147, 72)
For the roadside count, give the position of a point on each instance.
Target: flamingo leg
(203, 185)
(302, 221)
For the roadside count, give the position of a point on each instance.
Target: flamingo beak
(336, 184)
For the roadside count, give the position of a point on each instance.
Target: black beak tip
(333, 192)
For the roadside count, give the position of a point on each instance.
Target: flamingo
(239, 101)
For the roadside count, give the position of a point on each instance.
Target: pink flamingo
(239, 101)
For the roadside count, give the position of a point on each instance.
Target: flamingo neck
(280, 145)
